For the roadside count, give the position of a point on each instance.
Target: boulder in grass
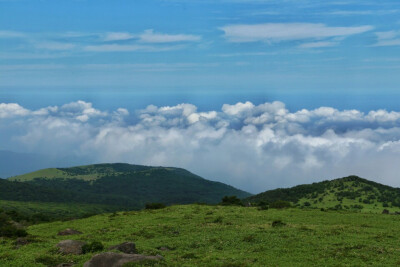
(69, 231)
(126, 247)
(70, 247)
(111, 259)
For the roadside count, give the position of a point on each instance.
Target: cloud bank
(253, 147)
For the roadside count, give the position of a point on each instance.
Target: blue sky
(230, 50)
(255, 93)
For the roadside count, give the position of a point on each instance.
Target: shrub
(92, 247)
(338, 207)
(307, 204)
(190, 255)
(264, 207)
(280, 204)
(10, 230)
(278, 223)
(155, 206)
(249, 238)
(262, 203)
(219, 219)
(231, 201)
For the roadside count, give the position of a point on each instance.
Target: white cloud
(149, 36)
(147, 41)
(388, 38)
(318, 44)
(130, 48)
(254, 147)
(11, 34)
(55, 46)
(11, 110)
(362, 12)
(118, 36)
(278, 32)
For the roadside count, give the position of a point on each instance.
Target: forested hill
(117, 184)
(350, 192)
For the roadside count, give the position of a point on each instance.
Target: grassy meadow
(203, 235)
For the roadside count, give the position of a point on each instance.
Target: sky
(255, 93)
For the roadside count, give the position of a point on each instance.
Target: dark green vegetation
(202, 235)
(107, 187)
(8, 227)
(348, 193)
(35, 212)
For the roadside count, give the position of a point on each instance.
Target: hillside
(201, 235)
(352, 193)
(123, 185)
(87, 172)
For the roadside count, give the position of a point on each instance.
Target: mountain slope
(123, 185)
(350, 192)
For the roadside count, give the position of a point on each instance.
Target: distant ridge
(118, 184)
(351, 192)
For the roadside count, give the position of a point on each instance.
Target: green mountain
(352, 193)
(122, 185)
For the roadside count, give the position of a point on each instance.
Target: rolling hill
(119, 184)
(350, 193)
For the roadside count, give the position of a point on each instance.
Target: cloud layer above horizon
(252, 147)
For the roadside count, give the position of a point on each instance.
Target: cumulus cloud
(11, 110)
(278, 32)
(253, 147)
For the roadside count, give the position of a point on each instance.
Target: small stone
(70, 247)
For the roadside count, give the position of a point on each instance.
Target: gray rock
(70, 247)
(111, 259)
(126, 247)
(69, 231)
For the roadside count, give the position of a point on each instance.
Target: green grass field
(201, 235)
